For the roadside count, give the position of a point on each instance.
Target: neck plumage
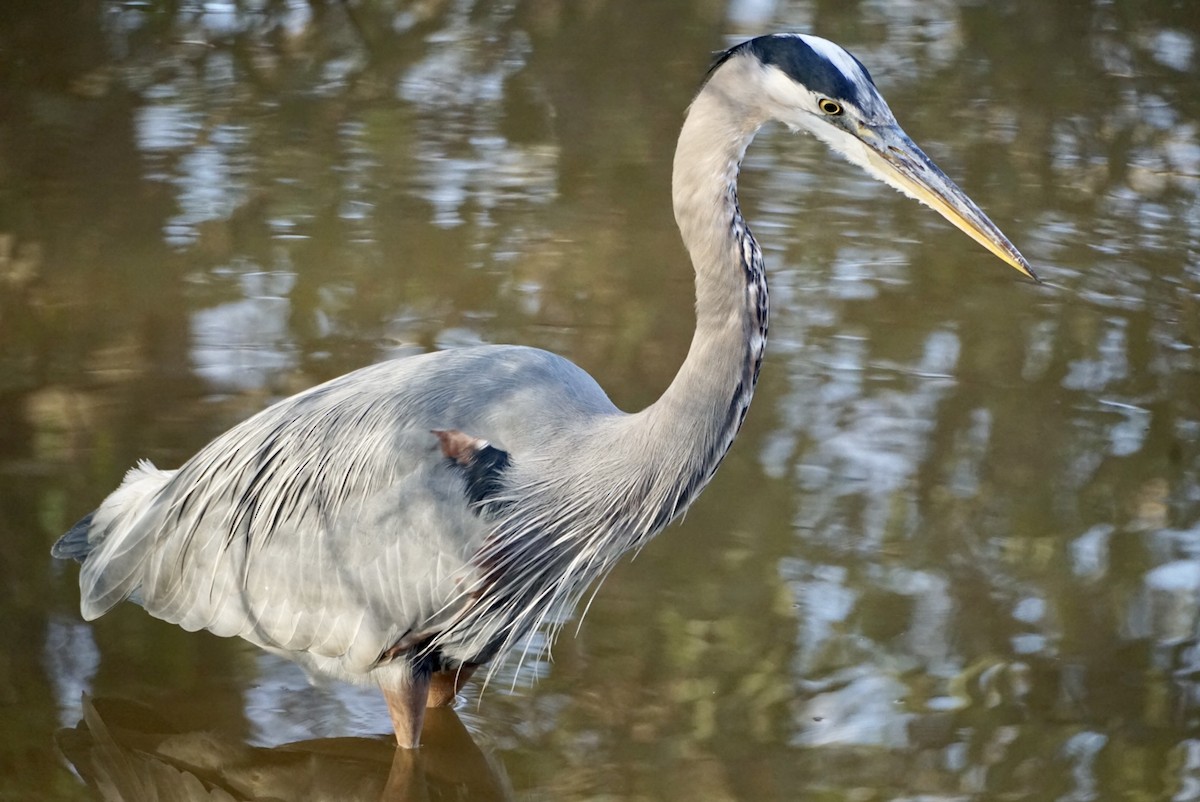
(693, 424)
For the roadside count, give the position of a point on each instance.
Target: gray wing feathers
(330, 523)
(295, 545)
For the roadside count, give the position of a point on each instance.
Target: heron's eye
(830, 107)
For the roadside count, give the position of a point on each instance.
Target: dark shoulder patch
(482, 464)
(483, 473)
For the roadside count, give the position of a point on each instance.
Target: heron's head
(811, 84)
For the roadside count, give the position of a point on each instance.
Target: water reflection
(238, 343)
(952, 554)
(126, 752)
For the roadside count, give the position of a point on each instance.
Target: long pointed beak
(896, 160)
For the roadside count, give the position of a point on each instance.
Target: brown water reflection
(953, 554)
(127, 752)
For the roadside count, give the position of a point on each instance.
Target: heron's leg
(407, 708)
(445, 685)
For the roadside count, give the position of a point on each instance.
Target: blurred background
(955, 552)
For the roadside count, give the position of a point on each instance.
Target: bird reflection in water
(127, 752)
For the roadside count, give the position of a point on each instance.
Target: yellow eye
(830, 107)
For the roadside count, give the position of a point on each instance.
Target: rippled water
(955, 552)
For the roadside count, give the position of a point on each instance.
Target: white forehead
(838, 57)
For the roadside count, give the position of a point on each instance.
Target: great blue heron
(412, 520)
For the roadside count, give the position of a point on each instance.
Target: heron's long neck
(627, 476)
(697, 417)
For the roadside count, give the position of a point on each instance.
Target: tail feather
(74, 545)
(114, 541)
